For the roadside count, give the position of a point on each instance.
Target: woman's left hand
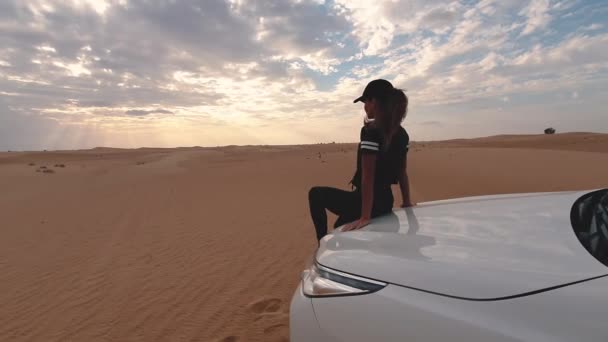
(360, 223)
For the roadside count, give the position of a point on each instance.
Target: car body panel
(571, 313)
(482, 248)
(303, 325)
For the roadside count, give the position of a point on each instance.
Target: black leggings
(345, 204)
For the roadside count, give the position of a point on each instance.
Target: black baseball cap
(375, 89)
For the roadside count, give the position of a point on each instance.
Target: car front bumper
(303, 324)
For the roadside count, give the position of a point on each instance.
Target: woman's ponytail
(394, 110)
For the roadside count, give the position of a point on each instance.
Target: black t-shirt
(389, 162)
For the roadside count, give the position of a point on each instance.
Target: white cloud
(564, 5)
(575, 52)
(538, 17)
(371, 26)
(377, 23)
(46, 48)
(490, 61)
(593, 27)
(318, 62)
(74, 69)
(259, 66)
(542, 69)
(100, 6)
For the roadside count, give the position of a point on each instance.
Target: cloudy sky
(132, 73)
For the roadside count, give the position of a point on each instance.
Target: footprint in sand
(268, 312)
(271, 316)
(265, 305)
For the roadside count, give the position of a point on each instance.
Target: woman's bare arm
(368, 164)
(404, 185)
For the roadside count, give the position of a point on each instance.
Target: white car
(526, 267)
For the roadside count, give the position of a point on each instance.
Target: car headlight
(319, 281)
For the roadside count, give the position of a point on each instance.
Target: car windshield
(590, 222)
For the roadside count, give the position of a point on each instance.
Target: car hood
(490, 247)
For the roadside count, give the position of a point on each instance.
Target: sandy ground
(208, 244)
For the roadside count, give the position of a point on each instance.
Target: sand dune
(589, 142)
(207, 244)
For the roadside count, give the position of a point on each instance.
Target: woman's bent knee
(314, 193)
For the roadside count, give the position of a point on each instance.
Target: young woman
(381, 162)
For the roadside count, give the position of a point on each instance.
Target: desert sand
(207, 244)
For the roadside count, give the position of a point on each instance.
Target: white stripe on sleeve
(370, 143)
(365, 147)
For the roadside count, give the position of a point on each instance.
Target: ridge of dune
(575, 141)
